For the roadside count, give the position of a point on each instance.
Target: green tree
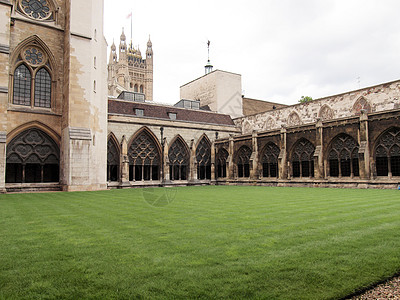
(305, 99)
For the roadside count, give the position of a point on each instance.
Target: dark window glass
(43, 88)
(356, 169)
(395, 165)
(22, 86)
(334, 168)
(296, 169)
(382, 166)
(345, 167)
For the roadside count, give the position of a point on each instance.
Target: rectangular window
(139, 112)
(172, 116)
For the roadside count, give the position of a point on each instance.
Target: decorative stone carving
(293, 119)
(326, 113)
(361, 104)
(270, 124)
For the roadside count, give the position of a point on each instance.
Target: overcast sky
(284, 49)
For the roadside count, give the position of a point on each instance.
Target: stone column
(124, 161)
(282, 164)
(213, 161)
(192, 162)
(3, 156)
(167, 175)
(254, 157)
(363, 151)
(318, 157)
(5, 22)
(230, 166)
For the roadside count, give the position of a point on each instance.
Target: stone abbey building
(70, 121)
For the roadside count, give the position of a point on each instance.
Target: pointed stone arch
(361, 104)
(203, 157)
(247, 128)
(342, 156)
(179, 159)
(242, 160)
(293, 119)
(387, 153)
(221, 161)
(269, 160)
(32, 156)
(326, 113)
(113, 158)
(270, 124)
(35, 124)
(302, 158)
(144, 155)
(32, 74)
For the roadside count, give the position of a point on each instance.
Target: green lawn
(197, 242)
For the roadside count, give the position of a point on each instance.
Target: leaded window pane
(36, 9)
(43, 88)
(22, 86)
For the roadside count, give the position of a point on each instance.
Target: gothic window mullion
(389, 166)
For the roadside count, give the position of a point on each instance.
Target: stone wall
(373, 99)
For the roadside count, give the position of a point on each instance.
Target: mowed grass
(197, 242)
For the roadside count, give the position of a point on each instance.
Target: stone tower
(53, 95)
(130, 71)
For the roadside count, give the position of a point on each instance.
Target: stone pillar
(192, 162)
(363, 151)
(5, 23)
(213, 161)
(318, 157)
(282, 159)
(254, 157)
(3, 154)
(124, 161)
(167, 176)
(230, 166)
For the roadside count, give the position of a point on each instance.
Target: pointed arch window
(32, 77)
(387, 153)
(203, 157)
(178, 160)
(32, 156)
(243, 161)
(22, 86)
(43, 88)
(303, 159)
(222, 158)
(343, 157)
(144, 158)
(112, 161)
(269, 160)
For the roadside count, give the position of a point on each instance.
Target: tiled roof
(162, 112)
